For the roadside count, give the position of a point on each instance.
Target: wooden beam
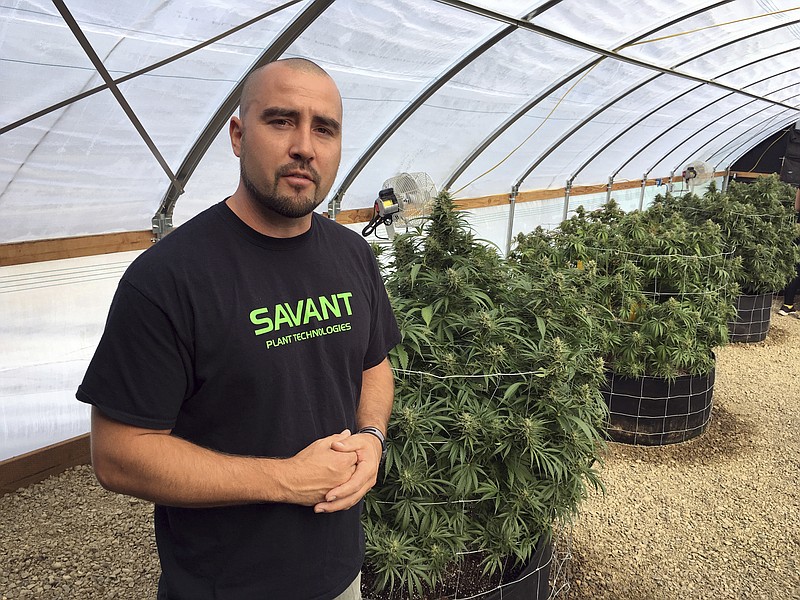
(30, 468)
(355, 215)
(72, 247)
(747, 175)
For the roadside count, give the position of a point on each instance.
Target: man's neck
(265, 221)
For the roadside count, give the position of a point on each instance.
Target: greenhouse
(563, 197)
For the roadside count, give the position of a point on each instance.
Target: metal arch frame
(586, 46)
(696, 151)
(162, 220)
(757, 137)
(611, 102)
(113, 88)
(750, 116)
(626, 130)
(424, 95)
(513, 118)
(524, 25)
(696, 132)
(738, 146)
(732, 141)
(650, 113)
(683, 118)
(429, 90)
(523, 110)
(147, 69)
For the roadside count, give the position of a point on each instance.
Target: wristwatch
(378, 434)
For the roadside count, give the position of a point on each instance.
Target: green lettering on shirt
(290, 315)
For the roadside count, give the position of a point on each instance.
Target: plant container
(754, 313)
(655, 411)
(533, 582)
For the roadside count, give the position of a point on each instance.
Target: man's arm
(374, 409)
(156, 466)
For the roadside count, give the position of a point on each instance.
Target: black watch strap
(378, 434)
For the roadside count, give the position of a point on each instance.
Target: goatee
(292, 207)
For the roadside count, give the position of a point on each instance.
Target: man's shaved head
(301, 65)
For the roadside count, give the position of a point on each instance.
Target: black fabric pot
(533, 583)
(753, 318)
(652, 411)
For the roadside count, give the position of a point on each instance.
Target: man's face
(289, 139)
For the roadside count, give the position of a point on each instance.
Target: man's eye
(280, 122)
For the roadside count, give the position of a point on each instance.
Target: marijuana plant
(669, 284)
(495, 428)
(757, 224)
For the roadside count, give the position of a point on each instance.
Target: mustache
(302, 167)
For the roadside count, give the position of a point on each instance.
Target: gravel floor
(713, 518)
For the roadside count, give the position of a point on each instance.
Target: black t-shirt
(254, 346)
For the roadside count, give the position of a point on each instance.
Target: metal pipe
(567, 189)
(512, 202)
(641, 196)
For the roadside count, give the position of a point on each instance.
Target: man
(239, 354)
(789, 307)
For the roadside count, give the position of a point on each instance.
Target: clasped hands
(338, 470)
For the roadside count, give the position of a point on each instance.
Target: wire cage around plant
(653, 411)
(753, 318)
(670, 310)
(462, 510)
(497, 421)
(670, 314)
(757, 223)
(670, 285)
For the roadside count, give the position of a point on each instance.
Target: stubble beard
(269, 201)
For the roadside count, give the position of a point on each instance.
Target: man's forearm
(165, 469)
(377, 397)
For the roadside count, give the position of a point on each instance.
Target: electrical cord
(376, 220)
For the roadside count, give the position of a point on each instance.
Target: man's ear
(235, 130)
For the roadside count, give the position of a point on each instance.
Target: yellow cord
(666, 37)
(530, 136)
(765, 151)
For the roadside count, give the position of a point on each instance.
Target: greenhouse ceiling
(113, 112)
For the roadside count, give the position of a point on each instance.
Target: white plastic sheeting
(106, 108)
(502, 93)
(52, 317)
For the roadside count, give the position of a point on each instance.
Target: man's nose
(302, 146)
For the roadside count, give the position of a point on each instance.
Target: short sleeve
(384, 333)
(141, 372)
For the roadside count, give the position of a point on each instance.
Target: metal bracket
(162, 225)
(726, 179)
(335, 205)
(641, 196)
